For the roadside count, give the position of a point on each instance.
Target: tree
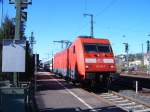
(7, 30)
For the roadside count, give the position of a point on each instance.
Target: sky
(117, 20)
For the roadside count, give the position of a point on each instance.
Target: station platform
(134, 75)
(54, 94)
(142, 79)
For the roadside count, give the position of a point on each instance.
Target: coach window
(74, 49)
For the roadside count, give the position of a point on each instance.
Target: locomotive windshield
(97, 48)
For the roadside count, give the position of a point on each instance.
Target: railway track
(126, 103)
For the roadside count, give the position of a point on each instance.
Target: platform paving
(56, 95)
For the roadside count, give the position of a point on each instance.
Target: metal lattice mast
(91, 22)
(62, 42)
(32, 41)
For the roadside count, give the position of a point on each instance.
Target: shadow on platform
(50, 83)
(12, 103)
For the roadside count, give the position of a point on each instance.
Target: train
(48, 65)
(87, 59)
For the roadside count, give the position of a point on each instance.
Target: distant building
(135, 63)
(146, 57)
(120, 62)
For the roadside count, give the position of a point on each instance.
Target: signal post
(13, 45)
(20, 19)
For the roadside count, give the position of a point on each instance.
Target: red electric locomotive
(87, 59)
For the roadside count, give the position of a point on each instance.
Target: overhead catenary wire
(85, 5)
(110, 4)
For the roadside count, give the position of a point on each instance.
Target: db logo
(99, 61)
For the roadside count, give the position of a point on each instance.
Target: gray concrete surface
(55, 95)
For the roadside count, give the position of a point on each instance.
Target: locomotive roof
(93, 40)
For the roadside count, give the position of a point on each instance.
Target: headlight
(87, 66)
(111, 66)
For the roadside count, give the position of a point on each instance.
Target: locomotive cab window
(106, 48)
(90, 48)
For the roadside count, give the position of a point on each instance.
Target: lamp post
(127, 55)
(148, 53)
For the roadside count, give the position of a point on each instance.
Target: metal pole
(127, 54)
(127, 61)
(136, 84)
(17, 32)
(92, 33)
(148, 54)
(62, 45)
(35, 71)
(2, 13)
(32, 42)
(142, 56)
(18, 19)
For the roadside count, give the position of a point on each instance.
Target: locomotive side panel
(80, 59)
(72, 62)
(76, 61)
